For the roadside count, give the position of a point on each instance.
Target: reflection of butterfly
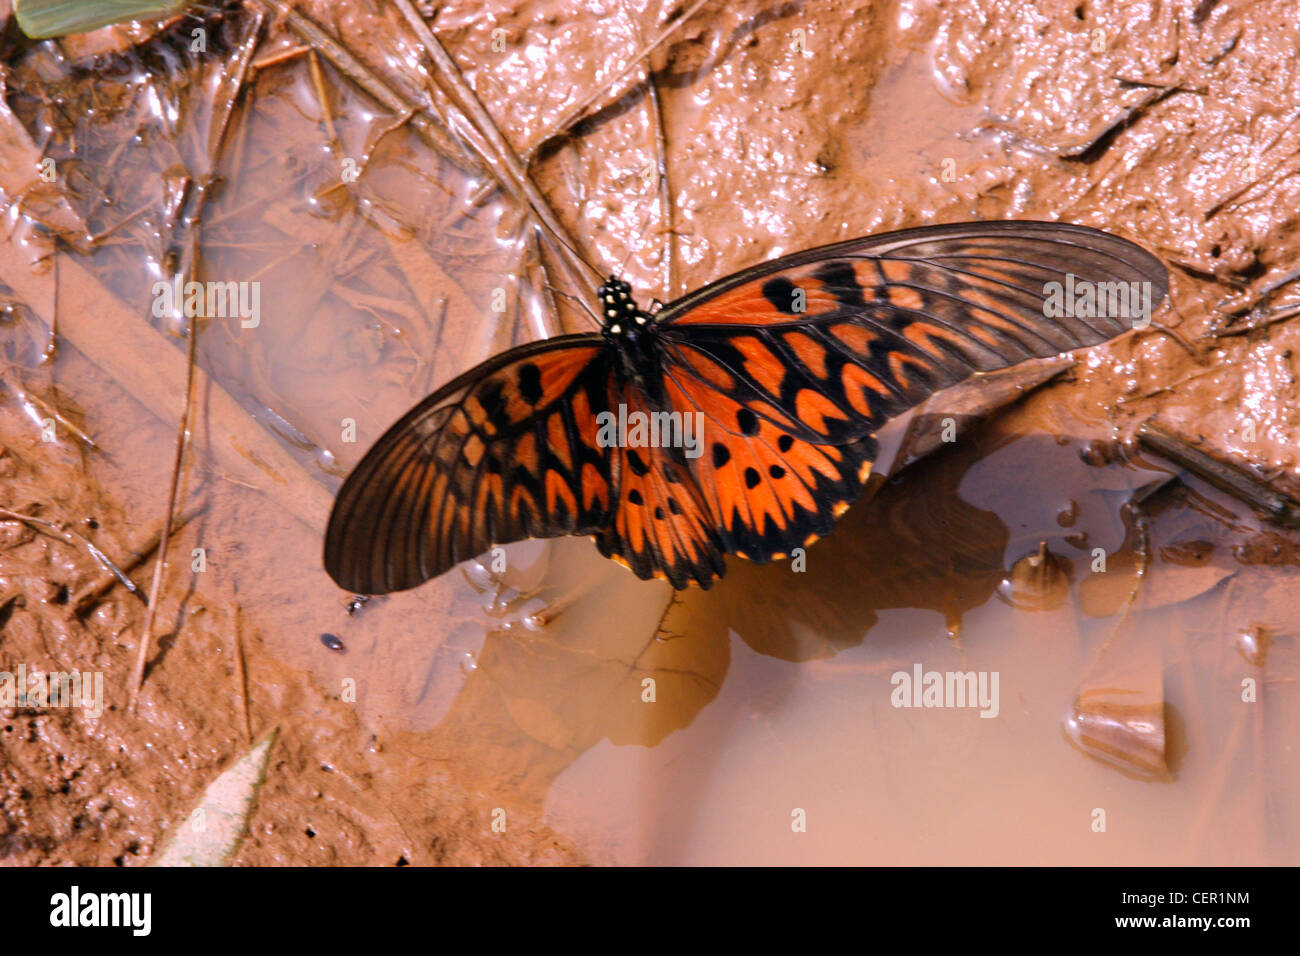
(792, 365)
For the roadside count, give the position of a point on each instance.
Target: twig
(74, 539)
(318, 81)
(1259, 318)
(516, 179)
(661, 155)
(279, 56)
(93, 592)
(1242, 190)
(1230, 201)
(145, 363)
(347, 64)
(155, 587)
(241, 674)
(611, 92)
(1278, 314)
(1092, 148)
(1228, 477)
(536, 272)
(232, 82)
(25, 396)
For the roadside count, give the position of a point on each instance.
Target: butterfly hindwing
(768, 491)
(662, 526)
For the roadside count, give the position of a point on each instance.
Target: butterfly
(753, 403)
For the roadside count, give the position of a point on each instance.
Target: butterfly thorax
(631, 331)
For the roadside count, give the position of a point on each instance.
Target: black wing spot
(721, 455)
(671, 476)
(842, 282)
(638, 466)
(747, 421)
(776, 471)
(530, 383)
(493, 400)
(674, 507)
(752, 478)
(780, 293)
(659, 513)
(634, 496)
(785, 443)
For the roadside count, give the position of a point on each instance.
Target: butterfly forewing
(505, 452)
(829, 344)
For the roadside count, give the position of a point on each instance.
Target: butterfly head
(622, 317)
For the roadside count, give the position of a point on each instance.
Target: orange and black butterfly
(786, 370)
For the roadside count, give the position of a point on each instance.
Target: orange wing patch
(661, 527)
(767, 491)
(771, 492)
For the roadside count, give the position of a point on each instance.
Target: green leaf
(42, 19)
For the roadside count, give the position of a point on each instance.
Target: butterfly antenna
(578, 299)
(600, 276)
(640, 241)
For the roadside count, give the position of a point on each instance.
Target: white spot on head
(616, 329)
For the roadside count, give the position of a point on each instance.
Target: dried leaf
(211, 835)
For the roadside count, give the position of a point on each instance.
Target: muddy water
(1120, 732)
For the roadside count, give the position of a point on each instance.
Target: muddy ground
(767, 127)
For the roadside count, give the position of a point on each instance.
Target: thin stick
(182, 434)
(25, 396)
(231, 84)
(611, 92)
(149, 367)
(661, 153)
(232, 81)
(72, 538)
(318, 80)
(1226, 476)
(1242, 190)
(516, 175)
(279, 56)
(347, 64)
(241, 674)
(93, 592)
